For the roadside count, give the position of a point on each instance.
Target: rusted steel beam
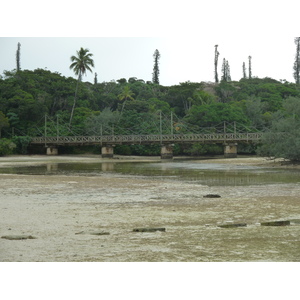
(148, 139)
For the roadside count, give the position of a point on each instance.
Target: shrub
(6, 147)
(21, 143)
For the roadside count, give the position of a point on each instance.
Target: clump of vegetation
(283, 137)
(6, 147)
(21, 143)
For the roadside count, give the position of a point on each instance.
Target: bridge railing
(148, 139)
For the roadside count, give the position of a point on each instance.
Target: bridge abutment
(52, 150)
(166, 151)
(107, 151)
(230, 150)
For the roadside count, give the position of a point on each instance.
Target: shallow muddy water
(62, 204)
(212, 174)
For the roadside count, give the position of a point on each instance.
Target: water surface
(212, 174)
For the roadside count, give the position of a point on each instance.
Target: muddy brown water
(54, 200)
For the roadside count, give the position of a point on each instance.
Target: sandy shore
(67, 214)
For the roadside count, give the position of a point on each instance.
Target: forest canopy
(26, 97)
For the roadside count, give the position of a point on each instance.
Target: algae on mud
(55, 207)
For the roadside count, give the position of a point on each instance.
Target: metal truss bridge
(160, 129)
(148, 139)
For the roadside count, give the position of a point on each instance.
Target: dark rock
(93, 232)
(18, 237)
(80, 232)
(100, 233)
(276, 223)
(211, 196)
(148, 229)
(233, 225)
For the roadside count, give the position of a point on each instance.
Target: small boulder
(211, 196)
(276, 223)
(93, 232)
(100, 233)
(18, 237)
(233, 225)
(148, 229)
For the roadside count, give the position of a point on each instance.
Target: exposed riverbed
(66, 211)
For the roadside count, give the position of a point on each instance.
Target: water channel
(211, 174)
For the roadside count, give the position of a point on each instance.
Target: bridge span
(107, 142)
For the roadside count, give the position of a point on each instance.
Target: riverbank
(92, 218)
(89, 158)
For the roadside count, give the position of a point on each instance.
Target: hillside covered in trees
(27, 96)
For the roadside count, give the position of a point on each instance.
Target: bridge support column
(230, 150)
(52, 150)
(107, 151)
(166, 152)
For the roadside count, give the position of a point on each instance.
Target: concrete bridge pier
(51, 150)
(230, 150)
(166, 151)
(107, 151)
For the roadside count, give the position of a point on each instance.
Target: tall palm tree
(80, 65)
(297, 61)
(216, 63)
(125, 95)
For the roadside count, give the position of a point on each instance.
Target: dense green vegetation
(128, 104)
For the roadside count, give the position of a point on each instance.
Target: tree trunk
(73, 107)
(123, 107)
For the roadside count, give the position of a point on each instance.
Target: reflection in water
(196, 172)
(51, 167)
(107, 166)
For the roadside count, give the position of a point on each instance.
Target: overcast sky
(182, 58)
(123, 35)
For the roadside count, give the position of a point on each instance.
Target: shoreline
(93, 158)
(55, 210)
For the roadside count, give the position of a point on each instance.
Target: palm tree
(155, 74)
(297, 61)
(250, 67)
(126, 94)
(80, 64)
(216, 63)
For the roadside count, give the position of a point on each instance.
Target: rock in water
(233, 225)
(93, 232)
(276, 223)
(18, 237)
(100, 233)
(212, 196)
(148, 229)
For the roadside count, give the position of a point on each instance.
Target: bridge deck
(149, 139)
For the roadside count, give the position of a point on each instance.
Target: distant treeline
(26, 97)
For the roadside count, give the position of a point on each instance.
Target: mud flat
(54, 209)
